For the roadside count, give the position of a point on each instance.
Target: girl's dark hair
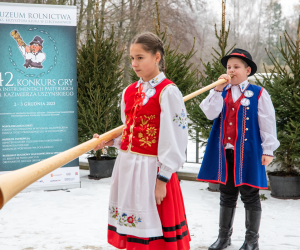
(151, 43)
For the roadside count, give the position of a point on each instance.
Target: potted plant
(99, 86)
(101, 166)
(283, 84)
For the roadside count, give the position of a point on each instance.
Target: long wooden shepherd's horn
(14, 182)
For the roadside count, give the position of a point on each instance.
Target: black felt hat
(242, 54)
(37, 40)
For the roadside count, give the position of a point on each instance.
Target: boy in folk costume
(240, 145)
(146, 209)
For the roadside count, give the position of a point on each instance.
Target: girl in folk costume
(240, 145)
(146, 209)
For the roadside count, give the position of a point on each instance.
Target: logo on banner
(32, 53)
(69, 179)
(76, 173)
(55, 175)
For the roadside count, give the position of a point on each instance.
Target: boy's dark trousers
(229, 193)
(228, 199)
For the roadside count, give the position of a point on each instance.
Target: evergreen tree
(99, 83)
(188, 78)
(178, 69)
(283, 86)
(275, 27)
(212, 70)
(177, 66)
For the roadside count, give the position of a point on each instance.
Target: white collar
(153, 82)
(243, 86)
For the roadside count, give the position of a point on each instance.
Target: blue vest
(248, 169)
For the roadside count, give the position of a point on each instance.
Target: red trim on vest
(243, 143)
(251, 186)
(220, 182)
(223, 144)
(237, 113)
(212, 181)
(260, 93)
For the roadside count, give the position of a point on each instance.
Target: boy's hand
(266, 160)
(160, 191)
(222, 86)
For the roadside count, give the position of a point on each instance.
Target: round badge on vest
(248, 93)
(245, 102)
(150, 92)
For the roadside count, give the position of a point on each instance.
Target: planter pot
(101, 168)
(213, 187)
(285, 187)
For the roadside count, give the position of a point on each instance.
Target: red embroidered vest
(141, 132)
(230, 121)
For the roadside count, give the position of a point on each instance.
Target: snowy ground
(75, 220)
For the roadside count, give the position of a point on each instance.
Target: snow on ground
(75, 220)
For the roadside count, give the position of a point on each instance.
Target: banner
(38, 87)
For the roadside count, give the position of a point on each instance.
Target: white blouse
(212, 106)
(173, 134)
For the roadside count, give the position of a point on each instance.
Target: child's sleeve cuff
(164, 175)
(268, 152)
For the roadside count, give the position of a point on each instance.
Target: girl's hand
(223, 85)
(160, 191)
(266, 160)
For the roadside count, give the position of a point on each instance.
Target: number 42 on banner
(7, 84)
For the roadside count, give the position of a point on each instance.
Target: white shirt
(34, 57)
(173, 134)
(212, 106)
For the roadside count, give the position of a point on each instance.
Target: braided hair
(151, 43)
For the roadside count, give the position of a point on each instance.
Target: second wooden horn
(14, 182)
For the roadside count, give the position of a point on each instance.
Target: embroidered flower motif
(155, 80)
(147, 141)
(140, 135)
(124, 135)
(181, 120)
(130, 219)
(151, 131)
(114, 212)
(124, 220)
(243, 86)
(124, 131)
